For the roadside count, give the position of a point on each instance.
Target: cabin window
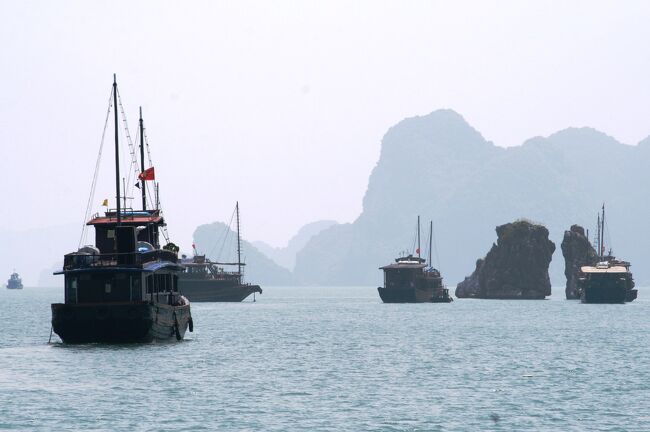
(103, 287)
(149, 284)
(71, 290)
(136, 288)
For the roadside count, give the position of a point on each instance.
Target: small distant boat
(14, 282)
(207, 281)
(124, 288)
(411, 280)
(610, 280)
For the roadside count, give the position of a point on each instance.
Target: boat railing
(129, 259)
(125, 214)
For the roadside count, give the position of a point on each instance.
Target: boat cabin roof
(404, 265)
(603, 269)
(142, 217)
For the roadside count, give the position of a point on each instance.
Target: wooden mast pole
(598, 236)
(117, 153)
(602, 233)
(430, 242)
(142, 184)
(418, 236)
(238, 243)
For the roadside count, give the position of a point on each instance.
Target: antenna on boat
(238, 243)
(143, 187)
(430, 241)
(418, 236)
(117, 153)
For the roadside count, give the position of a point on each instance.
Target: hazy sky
(282, 105)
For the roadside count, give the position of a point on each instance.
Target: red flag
(148, 174)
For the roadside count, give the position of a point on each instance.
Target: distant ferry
(124, 288)
(207, 281)
(411, 280)
(14, 281)
(610, 280)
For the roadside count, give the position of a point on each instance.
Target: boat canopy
(600, 269)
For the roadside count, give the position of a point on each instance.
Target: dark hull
(604, 294)
(631, 295)
(14, 286)
(215, 291)
(119, 322)
(412, 295)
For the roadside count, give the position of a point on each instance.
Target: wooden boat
(610, 280)
(411, 280)
(207, 281)
(125, 287)
(14, 282)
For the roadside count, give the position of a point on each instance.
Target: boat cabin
(126, 265)
(145, 222)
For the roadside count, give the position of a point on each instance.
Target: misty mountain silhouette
(286, 256)
(439, 167)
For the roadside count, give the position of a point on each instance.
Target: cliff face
(578, 252)
(516, 267)
(439, 167)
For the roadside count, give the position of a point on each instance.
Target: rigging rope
(133, 167)
(91, 197)
(435, 248)
(225, 235)
(415, 240)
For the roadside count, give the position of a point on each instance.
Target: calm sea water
(338, 359)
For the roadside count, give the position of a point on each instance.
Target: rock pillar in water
(516, 267)
(578, 252)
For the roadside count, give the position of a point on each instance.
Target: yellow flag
(105, 203)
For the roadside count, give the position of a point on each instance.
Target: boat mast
(238, 243)
(142, 185)
(602, 233)
(117, 153)
(418, 236)
(430, 241)
(598, 236)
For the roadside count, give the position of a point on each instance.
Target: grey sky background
(282, 105)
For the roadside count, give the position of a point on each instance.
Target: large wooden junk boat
(411, 280)
(610, 280)
(207, 281)
(14, 282)
(125, 287)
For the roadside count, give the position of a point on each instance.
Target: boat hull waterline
(120, 322)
